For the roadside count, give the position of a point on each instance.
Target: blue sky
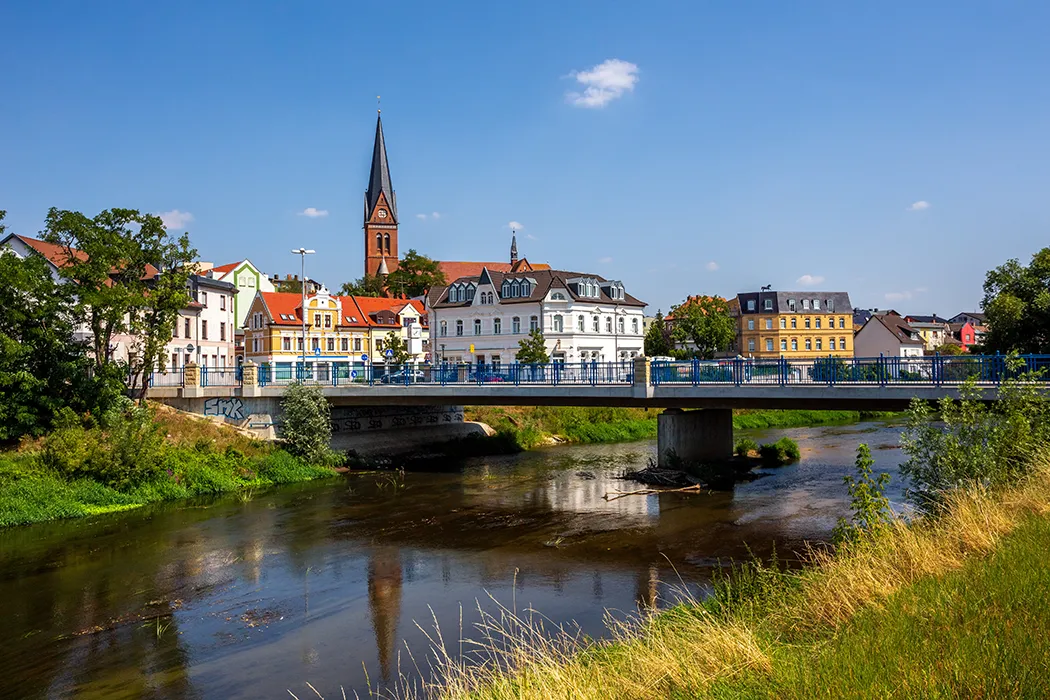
(892, 150)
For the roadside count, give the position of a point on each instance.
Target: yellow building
(793, 324)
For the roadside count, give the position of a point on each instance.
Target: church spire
(379, 180)
(513, 248)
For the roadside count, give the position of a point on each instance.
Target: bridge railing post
(783, 370)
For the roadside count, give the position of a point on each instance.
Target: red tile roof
(359, 308)
(59, 256)
(226, 268)
(454, 269)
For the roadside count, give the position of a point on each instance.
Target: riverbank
(151, 455)
(913, 612)
(526, 427)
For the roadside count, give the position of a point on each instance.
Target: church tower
(380, 212)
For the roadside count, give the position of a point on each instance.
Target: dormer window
(505, 292)
(768, 305)
(750, 304)
(515, 289)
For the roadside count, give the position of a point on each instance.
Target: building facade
(887, 335)
(205, 331)
(934, 330)
(583, 318)
(774, 324)
(247, 279)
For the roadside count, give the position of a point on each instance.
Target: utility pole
(302, 253)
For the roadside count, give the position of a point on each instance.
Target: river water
(326, 582)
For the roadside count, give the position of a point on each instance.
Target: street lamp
(302, 253)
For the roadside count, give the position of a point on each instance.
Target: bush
(744, 447)
(870, 508)
(307, 428)
(783, 451)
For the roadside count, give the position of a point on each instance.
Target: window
(809, 344)
(526, 289)
(831, 344)
(807, 323)
(515, 325)
(794, 323)
(222, 330)
(608, 324)
(386, 242)
(783, 344)
(379, 346)
(222, 302)
(791, 305)
(767, 304)
(794, 343)
(497, 326)
(357, 345)
(842, 323)
(580, 324)
(634, 326)
(328, 320)
(444, 328)
(751, 305)
(174, 360)
(175, 329)
(816, 322)
(204, 330)
(286, 344)
(769, 345)
(299, 344)
(816, 304)
(558, 323)
(255, 345)
(619, 325)
(783, 323)
(805, 304)
(186, 327)
(505, 290)
(379, 243)
(751, 342)
(477, 326)
(829, 304)
(459, 328)
(515, 290)
(344, 345)
(331, 345)
(315, 344)
(557, 296)
(204, 299)
(751, 324)
(769, 324)
(842, 343)
(452, 295)
(317, 320)
(820, 343)
(534, 323)
(594, 324)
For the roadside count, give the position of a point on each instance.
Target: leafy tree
(532, 348)
(657, 340)
(415, 274)
(1017, 305)
(705, 322)
(397, 344)
(949, 349)
(366, 286)
(307, 428)
(130, 277)
(871, 512)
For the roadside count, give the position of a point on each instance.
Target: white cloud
(421, 217)
(516, 225)
(809, 280)
(433, 215)
(712, 266)
(313, 213)
(605, 260)
(175, 218)
(603, 83)
(897, 296)
(919, 206)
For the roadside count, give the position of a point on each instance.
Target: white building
(887, 335)
(204, 331)
(583, 317)
(247, 279)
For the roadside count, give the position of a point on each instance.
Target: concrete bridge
(381, 399)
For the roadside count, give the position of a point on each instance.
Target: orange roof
(226, 268)
(370, 305)
(55, 254)
(288, 304)
(455, 269)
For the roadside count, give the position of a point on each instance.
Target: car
(404, 376)
(484, 377)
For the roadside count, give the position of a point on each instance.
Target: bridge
(880, 384)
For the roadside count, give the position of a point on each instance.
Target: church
(381, 227)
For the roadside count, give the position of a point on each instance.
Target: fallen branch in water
(613, 495)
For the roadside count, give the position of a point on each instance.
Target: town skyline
(607, 155)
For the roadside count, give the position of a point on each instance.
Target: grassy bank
(529, 426)
(952, 607)
(159, 455)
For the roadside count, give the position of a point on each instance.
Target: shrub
(745, 446)
(280, 467)
(783, 451)
(870, 508)
(307, 428)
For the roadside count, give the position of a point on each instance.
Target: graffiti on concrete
(230, 408)
(351, 420)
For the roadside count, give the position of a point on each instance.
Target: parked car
(486, 376)
(404, 376)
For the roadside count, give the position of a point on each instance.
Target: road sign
(317, 351)
(189, 348)
(353, 374)
(389, 352)
(364, 358)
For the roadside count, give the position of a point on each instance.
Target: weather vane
(378, 110)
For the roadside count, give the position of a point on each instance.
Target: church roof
(379, 180)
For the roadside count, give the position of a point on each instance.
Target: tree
(532, 348)
(366, 286)
(127, 276)
(1017, 305)
(657, 341)
(307, 428)
(395, 343)
(705, 322)
(415, 274)
(949, 349)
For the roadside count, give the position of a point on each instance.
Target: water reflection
(224, 599)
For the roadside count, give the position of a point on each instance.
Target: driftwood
(613, 495)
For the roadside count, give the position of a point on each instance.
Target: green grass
(980, 631)
(797, 419)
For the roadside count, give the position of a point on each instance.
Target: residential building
(247, 278)
(291, 284)
(204, 331)
(976, 318)
(933, 329)
(888, 335)
(583, 317)
(964, 333)
(342, 332)
(773, 324)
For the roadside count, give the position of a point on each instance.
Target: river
(325, 582)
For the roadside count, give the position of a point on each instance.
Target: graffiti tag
(231, 408)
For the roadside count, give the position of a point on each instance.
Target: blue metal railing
(358, 373)
(937, 370)
(171, 377)
(220, 376)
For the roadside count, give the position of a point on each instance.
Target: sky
(893, 150)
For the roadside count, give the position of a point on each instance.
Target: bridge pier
(695, 436)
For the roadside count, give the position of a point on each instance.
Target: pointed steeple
(383, 270)
(513, 248)
(379, 180)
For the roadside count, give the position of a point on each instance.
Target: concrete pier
(695, 436)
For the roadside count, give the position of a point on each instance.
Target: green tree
(128, 277)
(415, 274)
(532, 348)
(366, 286)
(657, 340)
(871, 512)
(395, 343)
(705, 322)
(1017, 305)
(307, 428)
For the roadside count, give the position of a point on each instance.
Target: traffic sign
(353, 374)
(317, 351)
(389, 352)
(364, 358)
(472, 348)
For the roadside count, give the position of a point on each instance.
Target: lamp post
(302, 253)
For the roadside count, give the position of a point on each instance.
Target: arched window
(444, 328)
(515, 325)
(515, 290)
(497, 326)
(558, 323)
(477, 326)
(557, 296)
(526, 289)
(608, 324)
(620, 325)
(634, 326)
(580, 324)
(534, 323)
(452, 295)
(459, 328)
(379, 243)
(595, 324)
(505, 291)
(386, 242)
